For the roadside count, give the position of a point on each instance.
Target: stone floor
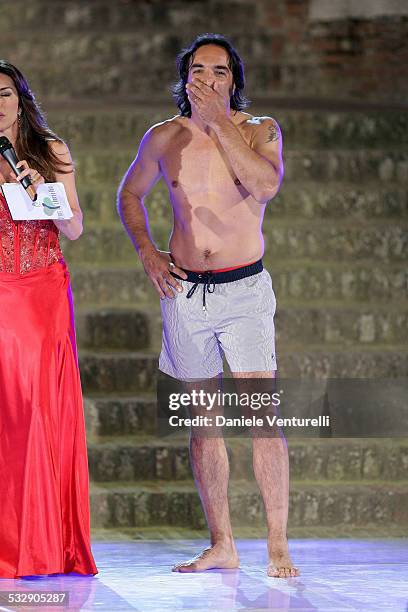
(337, 575)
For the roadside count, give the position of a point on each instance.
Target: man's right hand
(156, 265)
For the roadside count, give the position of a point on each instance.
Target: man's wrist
(221, 124)
(146, 248)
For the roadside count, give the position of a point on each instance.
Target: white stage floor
(336, 575)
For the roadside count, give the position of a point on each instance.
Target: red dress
(44, 486)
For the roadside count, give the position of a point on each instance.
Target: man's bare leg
(209, 461)
(271, 469)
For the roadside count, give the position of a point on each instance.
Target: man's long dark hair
(237, 101)
(33, 135)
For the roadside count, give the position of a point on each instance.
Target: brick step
(120, 415)
(311, 504)
(118, 372)
(371, 201)
(380, 242)
(388, 165)
(247, 531)
(348, 165)
(106, 82)
(114, 329)
(111, 285)
(132, 329)
(69, 19)
(128, 372)
(104, 47)
(310, 129)
(135, 459)
(74, 16)
(341, 324)
(115, 285)
(348, 326)
(338, 200)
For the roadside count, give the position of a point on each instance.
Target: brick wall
(293, 49)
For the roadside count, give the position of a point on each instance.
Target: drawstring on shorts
(209, 280)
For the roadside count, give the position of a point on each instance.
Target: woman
(44, 489)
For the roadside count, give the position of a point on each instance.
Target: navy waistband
(222, 277)
(209, 279)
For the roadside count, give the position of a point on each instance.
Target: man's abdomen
(209, 252)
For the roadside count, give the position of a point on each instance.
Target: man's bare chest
(197, 162)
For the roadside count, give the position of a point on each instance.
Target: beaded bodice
(26, 245)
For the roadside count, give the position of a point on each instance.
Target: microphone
(9, 154)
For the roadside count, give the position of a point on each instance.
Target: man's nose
(208, 78)
(210, 82)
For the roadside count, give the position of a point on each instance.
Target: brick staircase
(336, 248)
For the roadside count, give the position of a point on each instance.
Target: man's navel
(207, 253)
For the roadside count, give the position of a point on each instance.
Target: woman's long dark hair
(237, 101)
(33, 136)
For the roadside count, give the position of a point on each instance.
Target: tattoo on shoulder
(273, 132)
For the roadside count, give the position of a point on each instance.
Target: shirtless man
(221, 166)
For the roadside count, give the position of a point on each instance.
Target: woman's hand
(34, 175)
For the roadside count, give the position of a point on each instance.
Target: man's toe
(189, 567)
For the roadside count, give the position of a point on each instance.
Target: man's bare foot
(280, 564)
(221, 555)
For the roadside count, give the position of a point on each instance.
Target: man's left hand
(211, 106)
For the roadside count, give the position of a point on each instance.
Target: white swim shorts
(219, 313)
